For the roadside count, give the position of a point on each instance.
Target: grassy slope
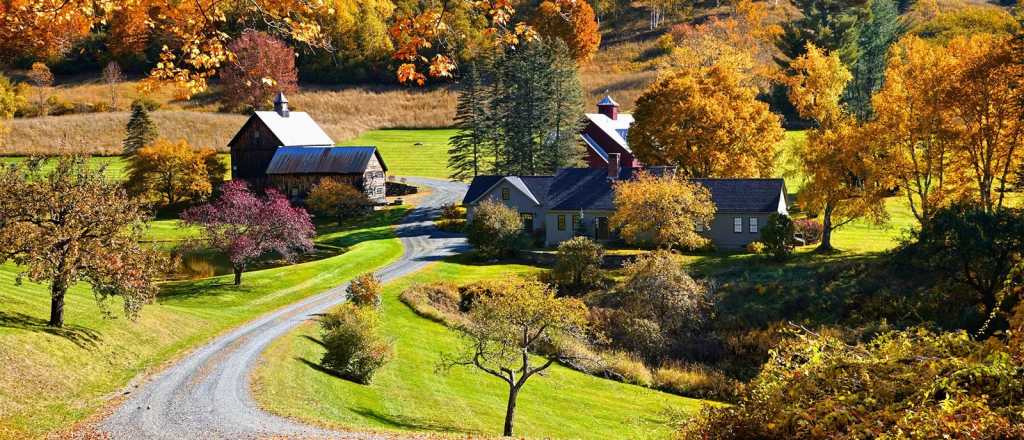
(402, 154)
(49, 379)
(408, 395)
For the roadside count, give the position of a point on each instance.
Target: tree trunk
(57, 291)
(510, 412)
(826, 232)
(238, 275)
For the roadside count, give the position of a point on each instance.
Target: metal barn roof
(323, 160)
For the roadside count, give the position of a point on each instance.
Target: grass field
(50, 378)
(408, 395)
(422, 153)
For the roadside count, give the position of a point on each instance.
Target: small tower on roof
(281, 105)
(608, 107)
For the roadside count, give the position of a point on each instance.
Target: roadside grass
(421, 153)
(409, 395)
(50, 378)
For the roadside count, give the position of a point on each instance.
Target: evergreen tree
(141, 130)
(468, 147)
(833, 25)
(562, 147)
(881, 29)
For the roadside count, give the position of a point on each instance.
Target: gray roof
(589, 189)
(297, 130)
(323, 160)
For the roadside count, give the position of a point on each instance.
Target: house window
(602, 232)
(753, 225)
(504, 194)
(256, 134)
(295, 192)
(561, 222)
(700, 227)
(527, 221)
(737, 225)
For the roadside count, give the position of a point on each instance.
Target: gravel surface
(206, 395)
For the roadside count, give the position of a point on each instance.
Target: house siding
(517, 200)
(722, 235)
(553, 236)
(372, 182)
(252, 151)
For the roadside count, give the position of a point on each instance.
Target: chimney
(281, 105)
(613, 166)
(608, 107)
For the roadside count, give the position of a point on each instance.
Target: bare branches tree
(112, 75)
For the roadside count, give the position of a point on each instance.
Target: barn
(288, 150)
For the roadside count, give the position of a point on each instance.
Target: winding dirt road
(206, 395)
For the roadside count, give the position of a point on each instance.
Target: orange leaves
(817, 87)
(574, 22)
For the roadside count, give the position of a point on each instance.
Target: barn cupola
(608, 107)
(281, 105)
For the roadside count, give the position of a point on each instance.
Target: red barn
(606, 132)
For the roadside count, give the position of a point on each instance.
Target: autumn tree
(962, 22)
(842, 163)
(113, 76)
(11, 97)
(129, 30)
(339, 200)
(357, 33)
(578, 264)
(706, 122)
(573, 22)
(264, 66)
(246, 227)
(71, 224)
(495, 229)
(506, 329)
(40, 77)
(140, 131)
(172, 172)
(664, 210)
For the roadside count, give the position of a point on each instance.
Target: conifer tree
(468, 147)
(141, 131)
(833, 25)
(882, 28)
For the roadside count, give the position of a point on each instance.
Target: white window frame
(737, 225)
(753, 226)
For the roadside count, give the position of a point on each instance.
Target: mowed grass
(421, 153)
(409, 395)
(50, 379)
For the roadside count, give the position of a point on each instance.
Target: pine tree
(562, 148)
(468, 147)
(882, 28)
(141, 131)
(833, 25)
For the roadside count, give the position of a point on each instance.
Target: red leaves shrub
(809, 229)
(265, 65)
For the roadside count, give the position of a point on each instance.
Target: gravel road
(206, 395)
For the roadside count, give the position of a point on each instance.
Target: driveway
(207, 394)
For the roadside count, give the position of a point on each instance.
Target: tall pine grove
(881, 30)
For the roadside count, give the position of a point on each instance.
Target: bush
(777, 236)
(694, 381)
(364, 290)
(355, 351)
(628, 368)
(665, 43)
(496, 230)
(809, 230)
(755, 247)
(331, 198)
(578, 267)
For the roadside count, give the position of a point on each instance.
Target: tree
(571, 21)
(969, 20)
(39, 75)
(71, 224)
(246, 227)
(467, 148)
(880, 30)
(662, 209)
(495, 229)
(706, 122)
(578, 264)
(354, 347)
(264, 65)
(842, 163)
(141, 131)
(11, 97)
(171, 172)
(112, 75)
(332, 198)
(777, 235)
(364, 290)
(832, 25)
(129, 31)
(506, 329)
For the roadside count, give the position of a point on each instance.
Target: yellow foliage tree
(573, 22)
(707, 123)
(842, 164)
(172, 172)
(664, 210)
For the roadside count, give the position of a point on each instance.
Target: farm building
(605, 133)
(288, 150)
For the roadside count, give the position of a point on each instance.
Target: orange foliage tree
(264, 66)
(172, 171)
(573, 22)
(663, 210)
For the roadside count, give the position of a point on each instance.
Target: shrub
(755, 247)
(495, 231)
(453, 218)
(694, 381)
(364, 290)
(808, 229)
(665, 43)
(331, 198)
(578, 267)
(355, 350)
(627, 367)
(777, 236)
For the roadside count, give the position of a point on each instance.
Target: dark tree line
(519, 113)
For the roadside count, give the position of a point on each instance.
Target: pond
(191, 263)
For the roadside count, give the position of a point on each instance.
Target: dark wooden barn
(295, 170)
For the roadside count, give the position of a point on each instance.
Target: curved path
(207, 394)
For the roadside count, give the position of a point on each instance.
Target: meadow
(52, 378)
(409, 395)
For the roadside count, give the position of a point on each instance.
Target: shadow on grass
(81, 336)
(408, 423)
(323, 369)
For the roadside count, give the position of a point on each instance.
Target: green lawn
(50, 379)
(408, 395)
(422, 153)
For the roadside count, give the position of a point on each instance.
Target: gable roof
(608, 101)
(323, 160)
(298, 129)
(533, 187)
(746, 195)
(616, 129)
